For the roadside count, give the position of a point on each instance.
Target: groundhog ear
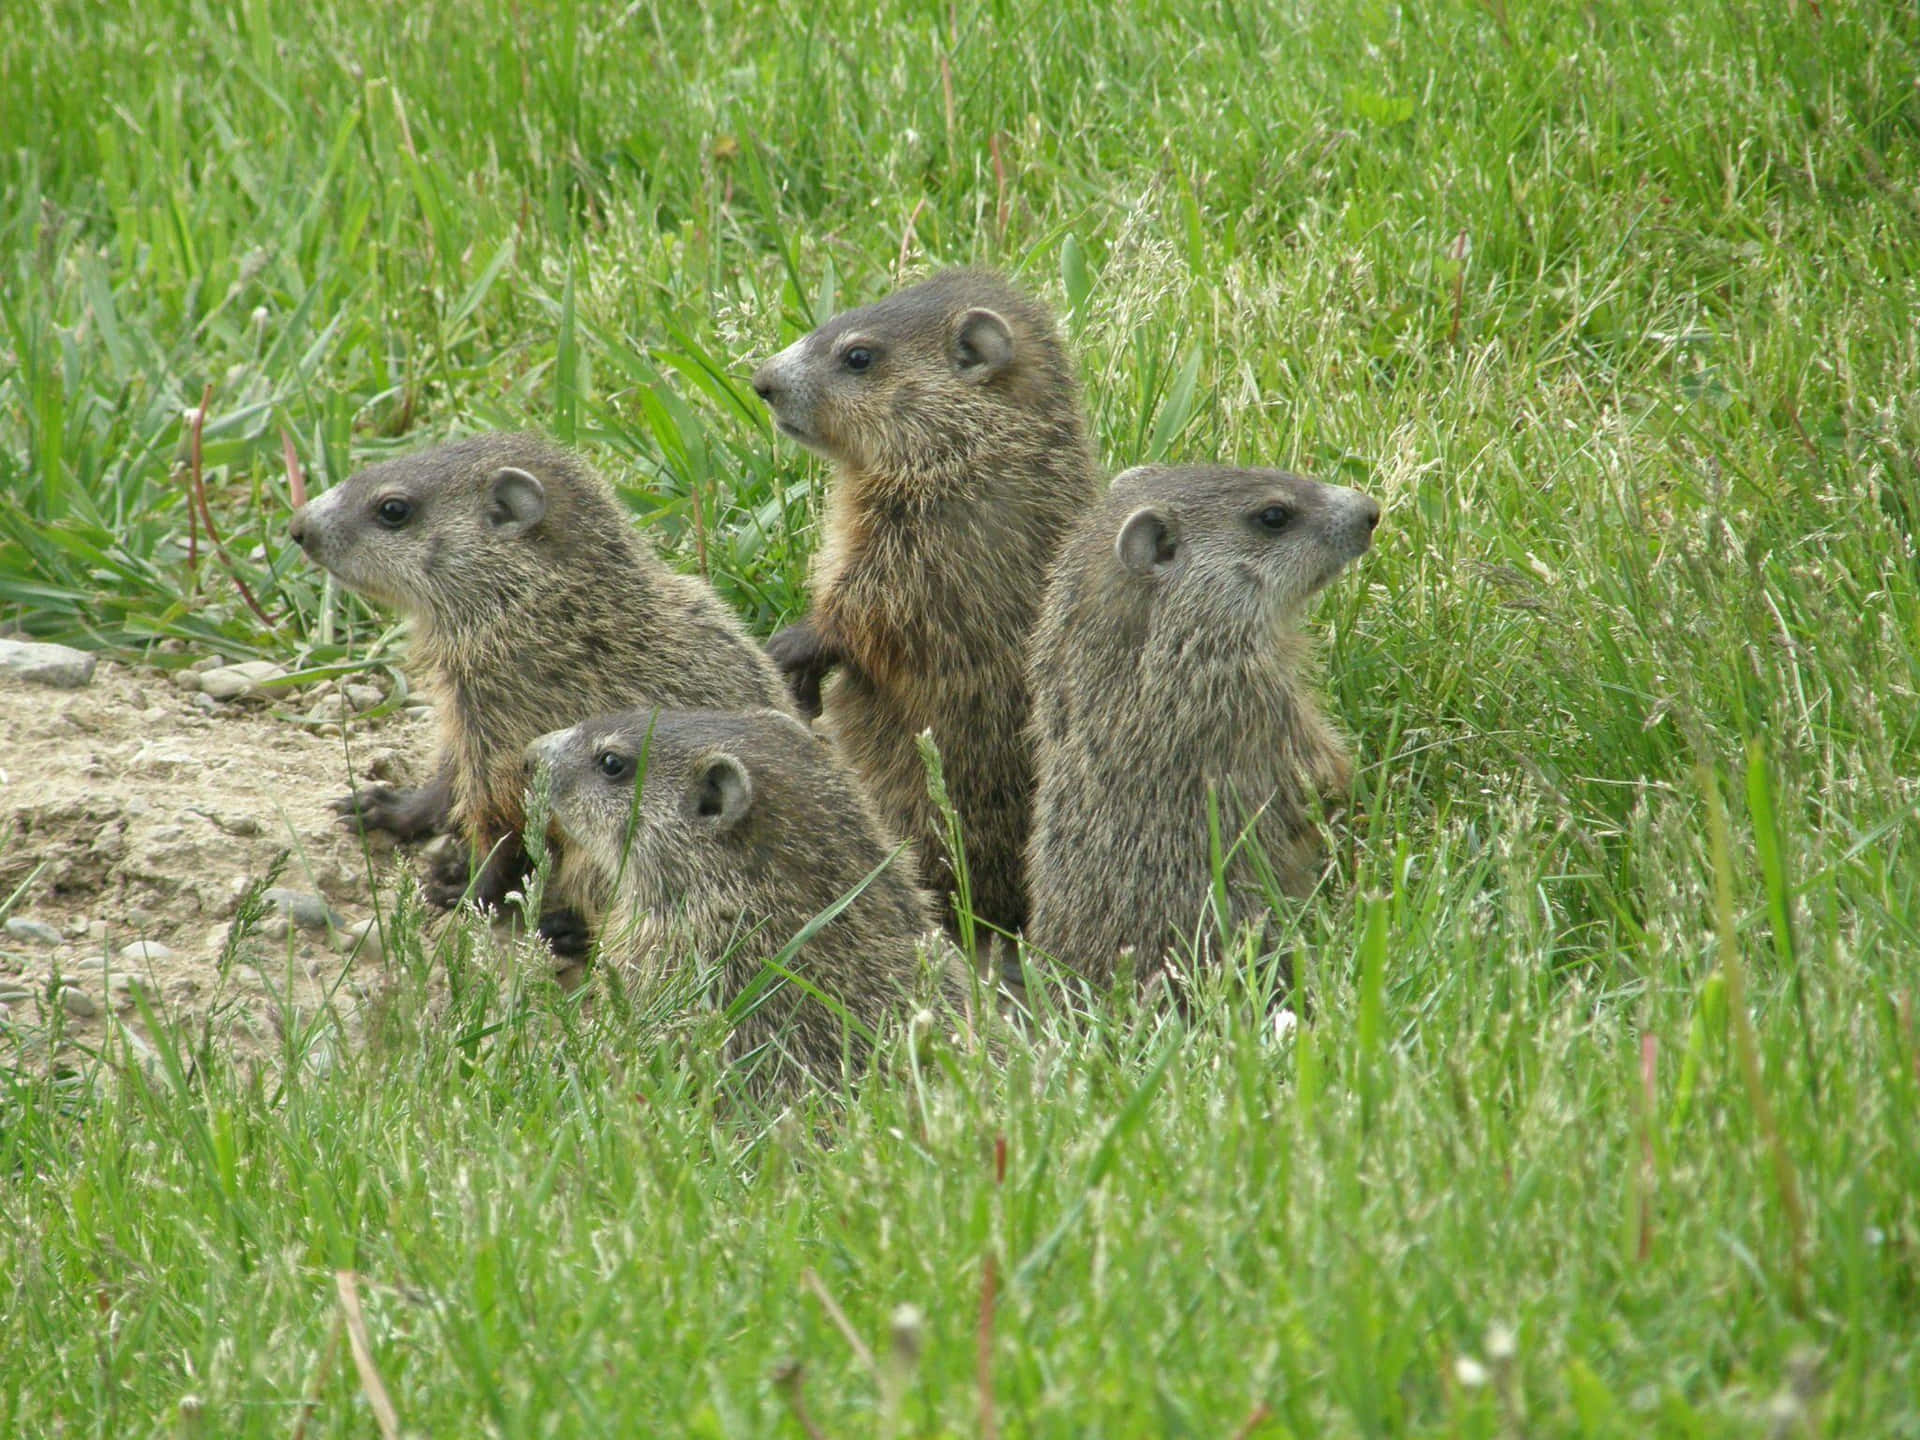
(982, 346)
(720, 793)
(1147, 542)
(518, 501)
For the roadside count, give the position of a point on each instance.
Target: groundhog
(1167, 663)
(532, 603)
(953, 418)
(745, 828)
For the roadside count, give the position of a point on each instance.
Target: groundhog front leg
(505, 870)
(405, 814)
(805, 656)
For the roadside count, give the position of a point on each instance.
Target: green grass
(1615, 307)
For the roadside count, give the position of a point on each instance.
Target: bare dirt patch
(137, 814)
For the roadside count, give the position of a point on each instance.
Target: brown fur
(1165, 664)
(746, 827)
(531, 605)
(962, 461)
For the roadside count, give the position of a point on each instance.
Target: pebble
(362, 939)
(309, 912)
(59, 666)
(142, 919)
(329, 707)
(188, 680)
(13, 990)
(78, 1002)
(363, 697)
(206, 703)
(38, 931)
(274, 926)
(208, 662)
(145, 952)
(247, 680)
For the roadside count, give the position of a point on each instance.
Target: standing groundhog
(746, 827)
(951, 413)
(532, 604)
(1167, 663)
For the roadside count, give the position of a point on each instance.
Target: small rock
(96, 932)
(249, 973)
(362, 939)
(12, 991)
(142, 919)
(363, 697)
(145, 952)
(77, 927)
(309, 912)
(208, 662)
(206, 703)
(217, 939)
(78, 1002)
(59, 666)
(274, 926)
(387, 765)
(247, 680)
(329, 707)
(38, 931)
(141, 1052)
(188, 680)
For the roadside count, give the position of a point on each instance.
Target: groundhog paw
(403, 814)
(799, 655)
(448, 875)
(566, 933)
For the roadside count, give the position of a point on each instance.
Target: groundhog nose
(763, 385)
(1372, 513)
(546, 749)
(297, 527)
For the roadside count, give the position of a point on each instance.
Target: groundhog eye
(611, 765)
(858, 358)
(393, 512)
(1274, 518)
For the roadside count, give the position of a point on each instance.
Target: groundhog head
(912, 385)
(441, 533)
(1236, 543)
(660, 806)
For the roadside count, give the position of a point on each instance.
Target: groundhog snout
(1355, 518)
(297, 527)
(545, 751)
